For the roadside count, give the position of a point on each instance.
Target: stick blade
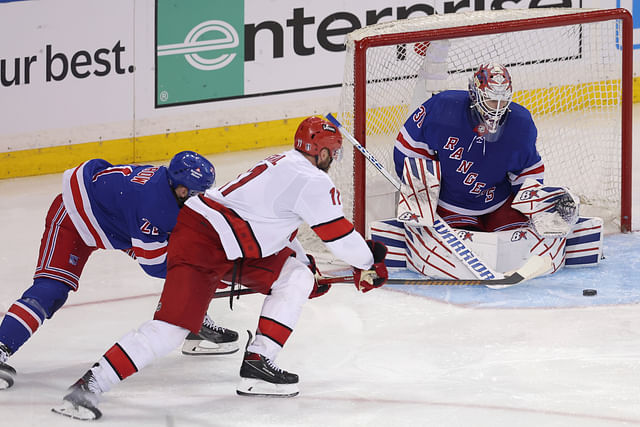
(535, 266)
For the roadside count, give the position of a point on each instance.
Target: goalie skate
(81, 403)
(261, 377)
(212, 339)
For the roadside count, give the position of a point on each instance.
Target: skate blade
(7, 374)
(255, 387)
(5, 382)
(204, 348)
(77, 412)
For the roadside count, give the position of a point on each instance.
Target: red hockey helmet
(314, 134)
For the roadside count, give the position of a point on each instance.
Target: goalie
(469, 158)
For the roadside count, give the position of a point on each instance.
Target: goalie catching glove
(377, 274)
(318, 290)
(553, 210)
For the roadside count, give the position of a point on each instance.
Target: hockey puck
(589, 292)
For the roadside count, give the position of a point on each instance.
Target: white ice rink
(447, 357)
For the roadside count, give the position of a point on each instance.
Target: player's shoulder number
(250, 174)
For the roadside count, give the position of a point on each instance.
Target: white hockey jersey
(272, 200)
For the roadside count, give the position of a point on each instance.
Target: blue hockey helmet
(191, 170)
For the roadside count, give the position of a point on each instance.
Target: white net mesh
(569, 77)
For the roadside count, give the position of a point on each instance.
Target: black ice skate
(82, 401)
(260, 376)
(7, 373)
(212, 339)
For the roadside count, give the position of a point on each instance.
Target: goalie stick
(475, 264)
(419, 219)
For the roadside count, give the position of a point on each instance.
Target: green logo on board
(200, 50)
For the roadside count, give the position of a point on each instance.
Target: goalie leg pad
(584, 243)
(391, 233)
(427, 255)
(418, 197)
(418, 250)
(541, 246)
(503, 251)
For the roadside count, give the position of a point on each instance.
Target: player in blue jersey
(486, 146)
(102, 206)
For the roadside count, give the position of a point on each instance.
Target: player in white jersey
(244, 232)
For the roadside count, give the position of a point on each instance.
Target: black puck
(589, 292)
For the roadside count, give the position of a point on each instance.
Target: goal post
(572, 68)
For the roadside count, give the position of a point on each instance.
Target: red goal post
(572, 68)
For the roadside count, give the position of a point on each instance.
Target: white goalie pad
(584, 243)
(391, 233)
(418, 197)
(503, 251)
(553, 211)
(424, 253)
(419, 250)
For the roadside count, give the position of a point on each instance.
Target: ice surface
(538, 354)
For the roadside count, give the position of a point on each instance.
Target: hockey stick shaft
(534, 267)
(509, 280)
(326, 280)
(224, 294)
(364, 152)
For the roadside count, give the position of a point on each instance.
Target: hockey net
(570, 67)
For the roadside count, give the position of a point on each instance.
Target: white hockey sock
(282, 307)
(153, 340)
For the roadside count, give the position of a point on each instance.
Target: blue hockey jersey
(123, 207)
(478, 174)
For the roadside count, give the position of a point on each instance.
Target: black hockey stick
(223, 294)
(532, 268)
(509, 280)
(535, 266)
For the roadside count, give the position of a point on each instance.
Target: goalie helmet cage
(572, 68)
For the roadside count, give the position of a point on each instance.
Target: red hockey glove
(318, 290)
(377, 275)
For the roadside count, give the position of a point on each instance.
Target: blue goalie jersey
(479, 172)
(123, 207)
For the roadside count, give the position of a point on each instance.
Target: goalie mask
(490, 92)
(314, 134)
